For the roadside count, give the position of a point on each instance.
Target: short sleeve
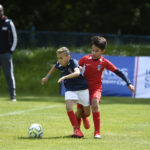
(57, 65)
(74, 63)
(81, 61)
(110, 66)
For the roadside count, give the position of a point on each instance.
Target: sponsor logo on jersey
(88, 64)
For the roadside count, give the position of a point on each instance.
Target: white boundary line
(29, 110)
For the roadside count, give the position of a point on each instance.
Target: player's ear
(68, 56)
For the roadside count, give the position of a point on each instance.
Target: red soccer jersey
(94, 69)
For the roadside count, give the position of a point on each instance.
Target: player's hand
(131, 87)
(45, 79)
(61, 80)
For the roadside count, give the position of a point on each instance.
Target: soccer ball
(35, 131)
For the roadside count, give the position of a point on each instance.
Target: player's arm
(13, 36)
(123, 77)
(51, 71)
(83, 60)
(81, 63)
(76, 73)
(119, 73)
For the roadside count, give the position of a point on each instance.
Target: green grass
(125, 125)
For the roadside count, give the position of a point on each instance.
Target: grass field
(125, 125)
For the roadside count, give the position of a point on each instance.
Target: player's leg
(85, 111)
(86, 114)
(79, 113)
(73, 119)
(82, 114)
(7, 66)
(95, 97)
(69, 96)
(96, 117)
(71, 115)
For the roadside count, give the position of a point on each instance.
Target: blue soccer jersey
(73, 84)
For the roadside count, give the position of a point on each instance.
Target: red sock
(79, 122)
(79, 106)
(96, 119)
(73, 119)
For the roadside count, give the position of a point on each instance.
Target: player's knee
(68, 108)
(95, 107)
(78, 114)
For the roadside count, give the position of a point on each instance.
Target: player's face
(96, 52)
(63, 59)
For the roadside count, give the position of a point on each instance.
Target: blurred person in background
(8, 42)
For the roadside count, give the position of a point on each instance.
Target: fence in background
(34, 38)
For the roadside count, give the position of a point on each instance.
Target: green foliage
(128, 50)
(30, 65)
(118, 50)
(81, 16)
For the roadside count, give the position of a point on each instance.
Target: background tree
(132, 17)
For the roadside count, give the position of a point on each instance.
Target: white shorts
(81, 97)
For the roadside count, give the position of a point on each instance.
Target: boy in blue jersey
(75, 84)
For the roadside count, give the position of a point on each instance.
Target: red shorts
(95, 91)
(95, 94)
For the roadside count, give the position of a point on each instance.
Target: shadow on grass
(56, 99)
(50, 138)
(104, 100)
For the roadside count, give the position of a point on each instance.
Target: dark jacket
(8, 35)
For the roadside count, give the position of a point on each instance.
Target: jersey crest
(99, 67)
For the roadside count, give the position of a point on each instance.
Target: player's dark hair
(99, 41)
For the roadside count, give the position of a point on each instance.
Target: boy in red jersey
(94, 65)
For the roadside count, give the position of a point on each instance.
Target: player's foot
(13, 100)
(77, 133)
(86, 123)
(97, 135)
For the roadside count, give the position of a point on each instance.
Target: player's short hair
(99, 41)
(64, 50)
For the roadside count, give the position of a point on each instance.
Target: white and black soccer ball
(35, 131)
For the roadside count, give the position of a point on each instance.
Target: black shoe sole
(76, 136)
